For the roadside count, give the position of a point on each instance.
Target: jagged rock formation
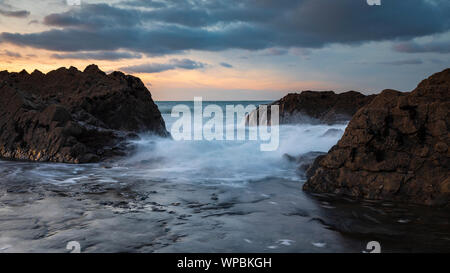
(395, 148)
(319, 107)
(72, 116)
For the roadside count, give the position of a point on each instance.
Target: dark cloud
(403, 62)
(102, 55)
(160, 67)
(144, 3)
(275, 52)
(94, 17)
(187, 64)
(413, 47)
(18, 13)
(180, 25)
(227, 65)
(158, 41)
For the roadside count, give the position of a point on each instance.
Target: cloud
(226, 65)
(160, 67)
(94, 16)
(148, 68)
(187, 64)
(102, 55)
(303, 52)
(176, 26)
(144, 3)
(403, 62)
(275, 52)
(157, 41)
(18, 14)
(10, 54)
(439, 61)
(442, 47)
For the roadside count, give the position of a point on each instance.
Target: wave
(234, 163)
(230, 162)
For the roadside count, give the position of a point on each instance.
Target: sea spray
(208, 123)
(228, 162)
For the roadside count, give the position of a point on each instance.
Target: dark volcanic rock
(305, 161)
(72, 116)
(320, 107)
(395, 148)
(323, 107)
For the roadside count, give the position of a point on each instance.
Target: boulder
(72, 116)
(324, 107)
(395, 148)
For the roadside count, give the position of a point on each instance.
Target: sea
(204, 196)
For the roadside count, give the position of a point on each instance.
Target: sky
(233, 49)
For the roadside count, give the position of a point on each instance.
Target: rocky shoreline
(394, 148)
(70, 116)
(319, 107)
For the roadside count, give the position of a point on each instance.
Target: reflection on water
(134, 214)
(202, 197)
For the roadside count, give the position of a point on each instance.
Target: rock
(319, 107)
(395, 148)
(305, 161)
(71, 116)
(290, 158)
(333, 133)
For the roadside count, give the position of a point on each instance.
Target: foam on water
(255, 205)
(231, 162)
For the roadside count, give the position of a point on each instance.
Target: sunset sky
(233, 49)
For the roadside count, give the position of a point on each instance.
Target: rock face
(72, 116)
(395, 148)
(320, 107)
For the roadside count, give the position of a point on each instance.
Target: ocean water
(203, 196)
(234, 162)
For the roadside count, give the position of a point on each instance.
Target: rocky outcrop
(395, 148)
(319, 107)
(72, 116)
(303, 162)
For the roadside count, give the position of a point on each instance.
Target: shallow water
(202, 196)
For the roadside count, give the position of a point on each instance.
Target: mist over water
(229, 162)
(202, 196)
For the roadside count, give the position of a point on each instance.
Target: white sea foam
(229, 162)
(233, 163)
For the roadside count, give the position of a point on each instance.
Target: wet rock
(333, 133)
(71, 116)
(305, 161)
(395, 148)
(319, 107)
(289, 157)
